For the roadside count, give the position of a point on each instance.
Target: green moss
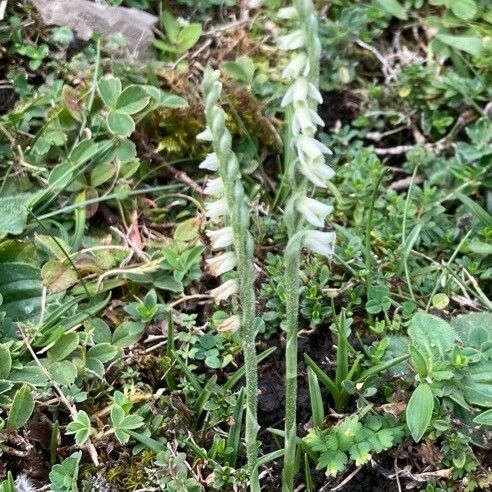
(132, 473)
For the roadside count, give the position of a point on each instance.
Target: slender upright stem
(293, 220)
(237, 204)
(292, 285)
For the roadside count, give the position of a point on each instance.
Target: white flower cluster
(303, 97)
(225, 162)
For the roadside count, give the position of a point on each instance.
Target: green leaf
(418, 361)
(103, 352)
(120, 124)
(484, 418)
(63, 372)
(172, 101)
(132, 100)
(242, 69)
(101, 173)
(63, 476)
(464, 9)
(83, 152)
(469, 44)
(316, 399)
(60, 176)
(419, 411)
(21, 409)
(393, 7)
(188, 36)
(63, 347)
(170, 25)
(20, 288)
(127, 333)
(433, 336)
(57, 276)
(360, 453)
(334, 462)
(5, 361)
(480, 213)
(32, 375)
(109, 89)
(13, 213)
(466, 325)
(80, 427)
(126, 151)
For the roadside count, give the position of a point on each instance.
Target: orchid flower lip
(292, 41)
(210, 162)
(205, 135)
(318, 174)
(223, 263)
(230, 325)
(225, 290)
(221, 238)
(320, 242)
(217, 208)
(214, 187)
(311, 147)
(314, 211)
(297, 65)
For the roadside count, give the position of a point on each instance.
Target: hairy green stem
(244, 249)
(293, 220)
(292, 285)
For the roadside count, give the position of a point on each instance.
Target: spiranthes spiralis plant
(304, 166)
(230, 207)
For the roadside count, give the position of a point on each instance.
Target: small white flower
(225, 290)
(211, 162)
(311, 148)
(214, 187)
(205, 136)
(288, 13)
(319, 174)
(319, 242)
(221, 238)
(298, 64)
(313, 210)
(314, 93)
(305, 120)
(216, 209)
(292, 41)
(221, 264)
(297, 92)
(230, 325)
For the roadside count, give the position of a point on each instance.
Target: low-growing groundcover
(259, 260)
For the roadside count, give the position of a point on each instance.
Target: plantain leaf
(419, 411)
